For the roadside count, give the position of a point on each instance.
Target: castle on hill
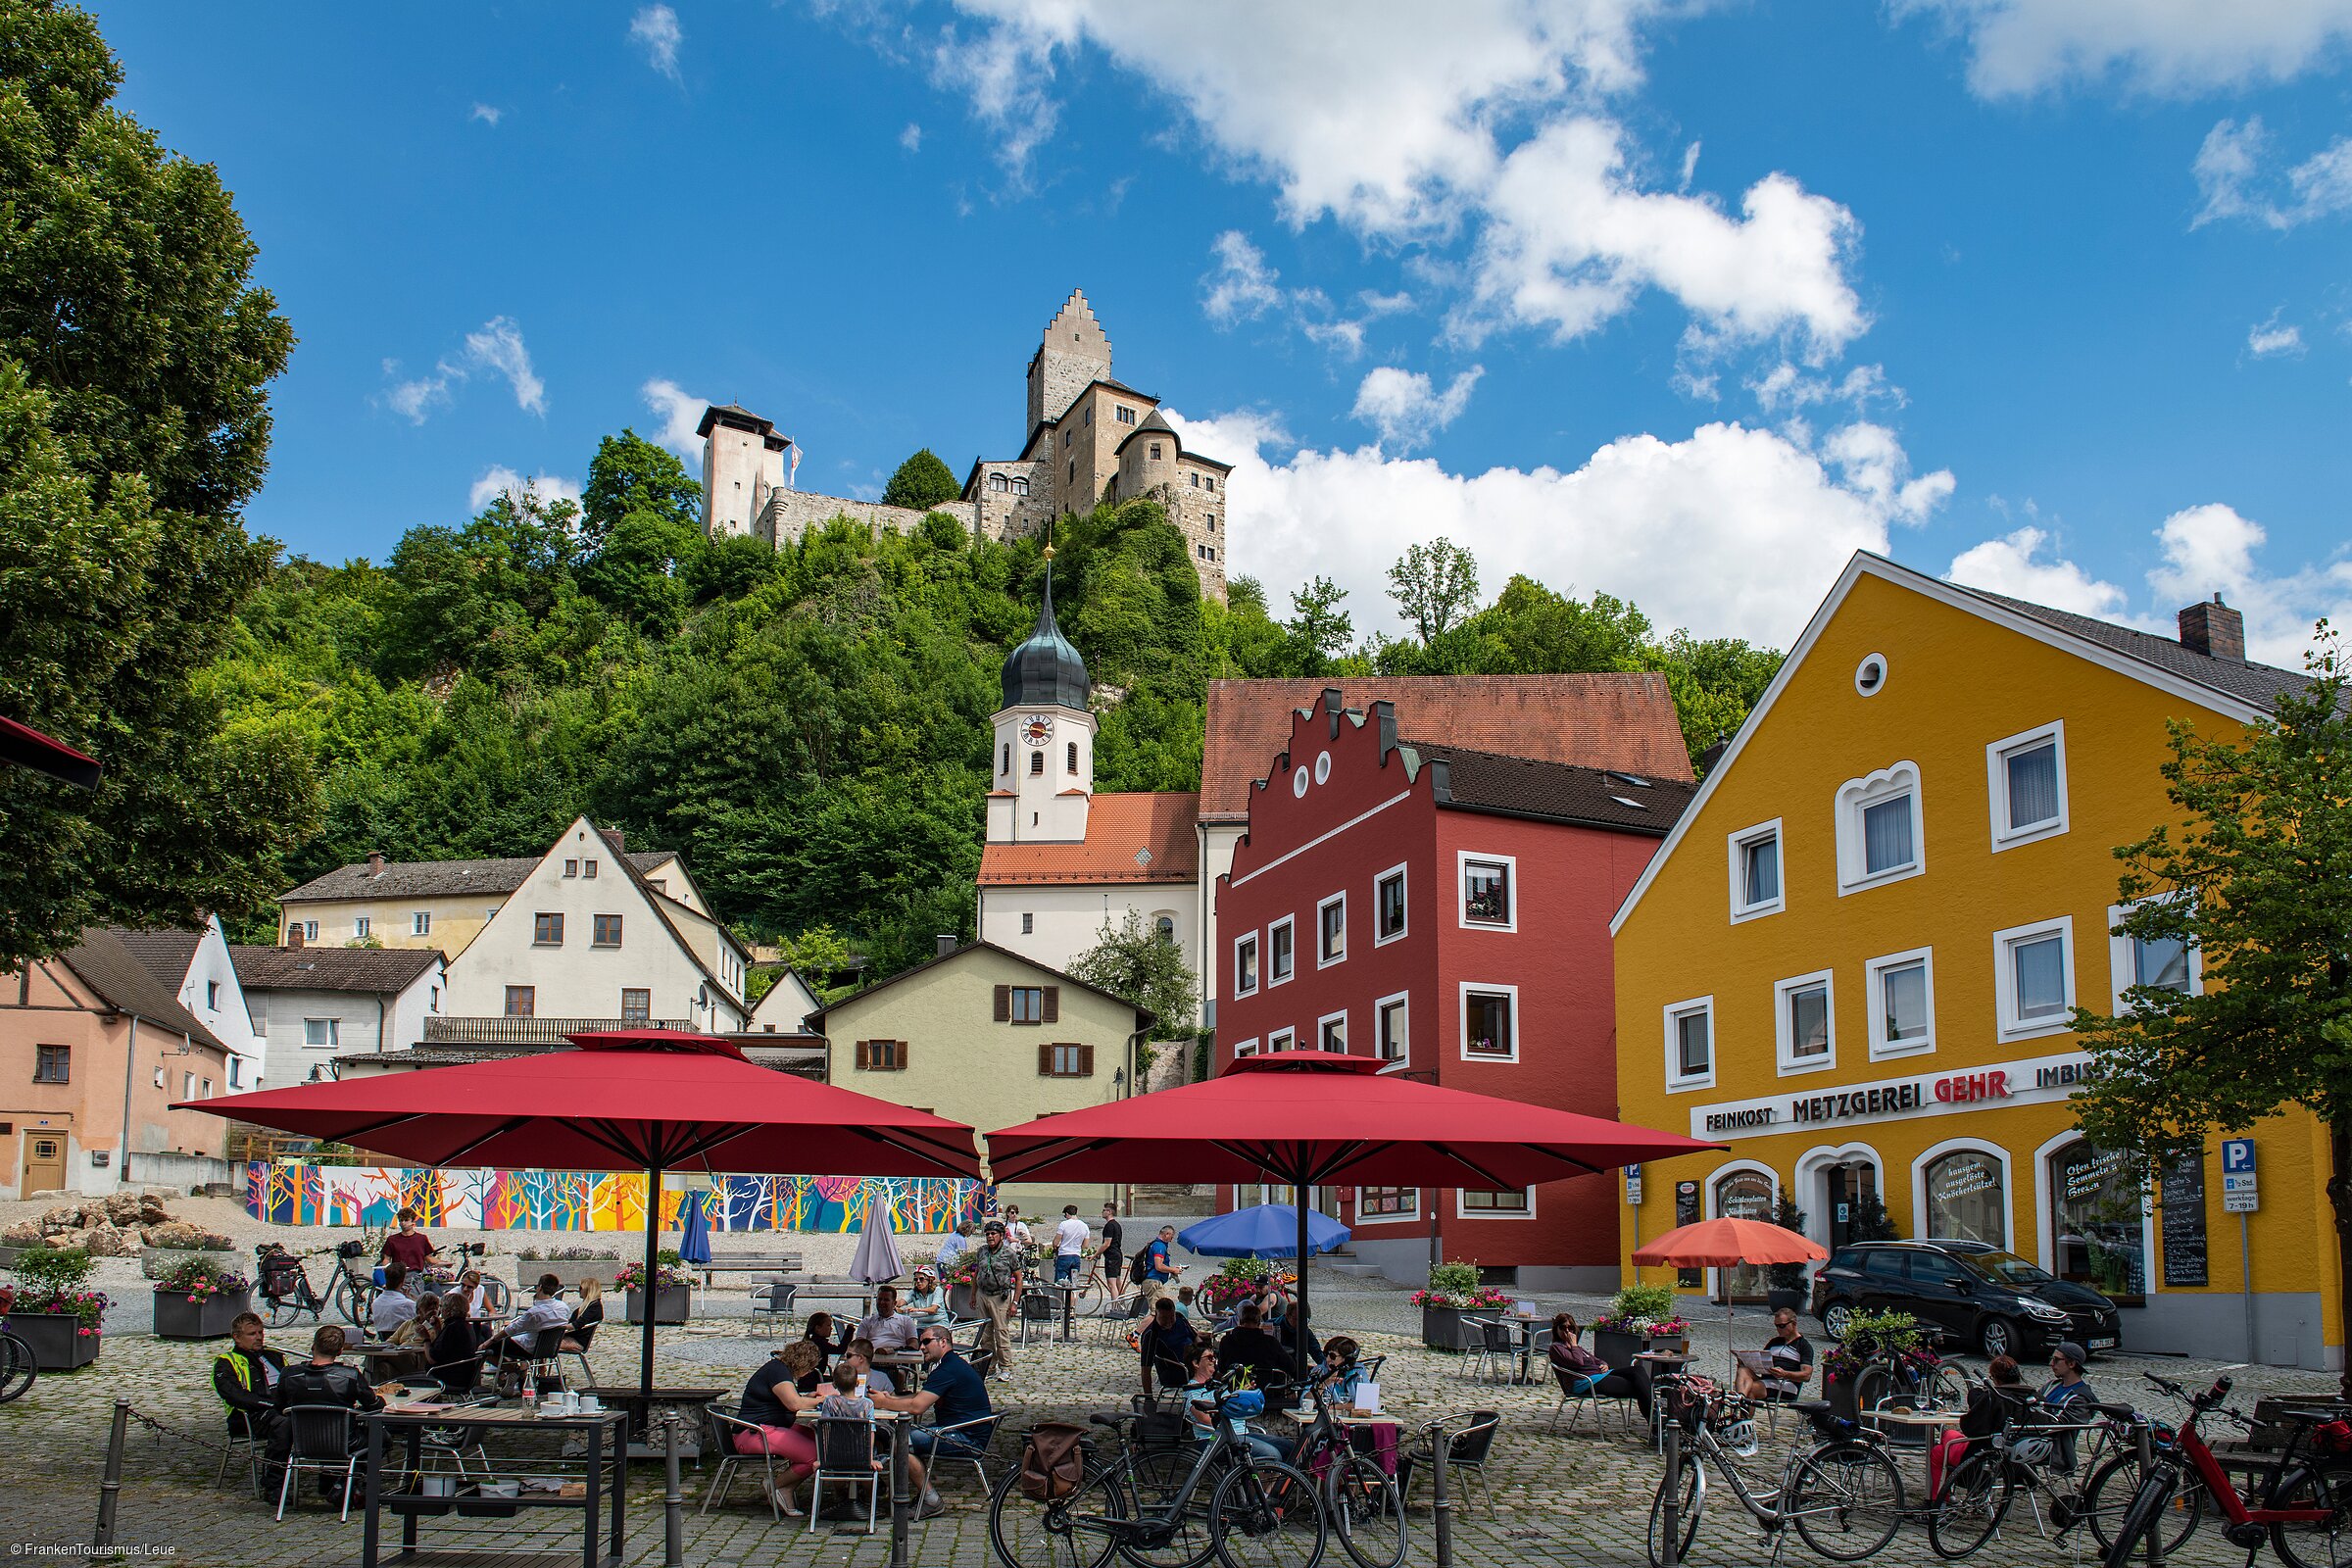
(1092, 441)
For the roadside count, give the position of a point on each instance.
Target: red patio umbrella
(650, 1100)
(1306, 1117)
(1723, 1242)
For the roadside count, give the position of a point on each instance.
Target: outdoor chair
(1133, 1309)
(253, 1443)
(584, 1339)
(1471, 1338)
(322, 1445)
(1503, 1349)
(1038, 1305)
(1469, 1443)
(724, 1425)
(770, 1303)
(846, 1453)
(1576, 1395)
(976, 1456)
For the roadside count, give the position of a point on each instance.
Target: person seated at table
(1581, 1372)
(1339, 1373)
(1988, 1410)
(962, 1419)
(1291, 1326)
(412, 1341)
(819, 1339)
(858, 1356)
(926, 1304)
(770, 1400)
(1166, 1343)
(455, 1358)
(323, 1379)
(587, 1317)
(407, 1247)
(844, 1401)
(1791, 1356)
(521, 1337)
(246, 1375)
(467, 1298)
(1201, 1390)
(1247, 1344)
(887, 1327)
(394, 1305)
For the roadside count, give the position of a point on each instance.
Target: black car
(1969, 1290)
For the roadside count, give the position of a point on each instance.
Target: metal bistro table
(604, 1484)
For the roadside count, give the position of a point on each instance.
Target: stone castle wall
(790, 514)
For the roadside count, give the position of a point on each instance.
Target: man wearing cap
(999, 1286)
(2066, 1385)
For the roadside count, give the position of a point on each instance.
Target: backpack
(1139, 1268)
(1052, 1461)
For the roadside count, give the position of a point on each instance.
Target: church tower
(1045, 751)
(1073, 354)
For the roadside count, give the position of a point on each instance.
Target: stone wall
(790, 514)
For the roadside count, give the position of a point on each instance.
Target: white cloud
(912, 138)
(2174, 46)
(488, 115)
(1731, 531)
(2014, 564)
(1406, 409)
(1786, 387)
(2266, 339)
(680, 411)
(499, 347)
(1690, 166)
(414, 400)
(1874, 465)
(656, 30)
(499, 480)
(2229, 170)
(1241, 287)
(2224, 168)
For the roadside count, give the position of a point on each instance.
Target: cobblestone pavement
(1556, 1499)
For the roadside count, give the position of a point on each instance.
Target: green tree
(630, 475)
(922, 482)
(1319, 629)
(1136, 964)
(1434, 585)
(2255, 880)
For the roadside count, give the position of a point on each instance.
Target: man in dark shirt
(322, 1380)
(1114, 1243)
(1247, 1344)
(1790, 1357)
(953, 1393)
(408, 1245)
(1167, 1345)
(246, 1377)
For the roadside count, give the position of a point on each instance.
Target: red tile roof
(1117, 827)
(1623, 721)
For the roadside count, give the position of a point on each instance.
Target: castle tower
(743, 460)
(1045, 731)
(1074, 352)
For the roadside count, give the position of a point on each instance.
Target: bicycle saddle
(1829, 1423)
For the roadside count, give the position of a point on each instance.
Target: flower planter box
(671, 1304)
(1441, 1327)
(57, 1341)
(570, 1270)
(1618, 1348)
(156, 1262)
(963, 1301)
(179, 1318)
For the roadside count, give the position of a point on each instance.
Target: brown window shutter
(1086, 1060)
(862, 1054)
(1052, 1005)
(1044, 1060)
(902, 1055)
(1004, 1003)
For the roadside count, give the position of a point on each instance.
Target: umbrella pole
(1298, 1349)
(653, 1293)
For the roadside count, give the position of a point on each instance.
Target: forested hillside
(807, 725)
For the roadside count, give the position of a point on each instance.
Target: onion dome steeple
(1046, 672)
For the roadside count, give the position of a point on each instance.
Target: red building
(1446, 909)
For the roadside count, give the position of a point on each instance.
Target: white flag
(792, 476)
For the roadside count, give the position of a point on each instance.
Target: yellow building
(1853, 961)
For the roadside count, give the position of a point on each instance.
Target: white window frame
(1339, 1017)
(333, 1031)
(1671, 1017)
(1462, 1019)
(1461, 890)
(1996, 782)
(1460, 1212)
(1873, 973)
(420, 924)
(1379, 1008)
(1284, 1038)
(1322, 962)
(1245, 1047)
(1410, 1217)
(1290, 923)
(1736, 848)
(1974, 1145)
(2004, 979)
(1853, 797)
(2122, 962)
(1249, 939)
(1783, 1043)
(1401, 872)
(360, 925)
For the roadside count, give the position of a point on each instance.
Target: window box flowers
(198, 1300)
(51, 1311)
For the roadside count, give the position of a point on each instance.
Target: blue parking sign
(2237, 1156)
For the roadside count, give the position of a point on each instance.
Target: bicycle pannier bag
(1052, 1462)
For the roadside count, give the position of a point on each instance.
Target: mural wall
(595, 1201)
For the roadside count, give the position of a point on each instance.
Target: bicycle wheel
(1845, 1499)
(1264, 1514)
(1975, 1499)
(1686, 1522)
(2320, 1543)
(17, 1369)
(282, 1311)
(2109, 1496)
(2148, 1506)
(1073, 1532)
(1150, 1484)
(349, 1302)
(1367, 1511)
(1945, 1387)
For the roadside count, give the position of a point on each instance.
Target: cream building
(989, 1038)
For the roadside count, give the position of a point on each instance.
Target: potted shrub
(672, 1290)
(1784, 1283)
(570, 1264)
(1870, 1338)
(52, 1312)
(198, 1300)
(1453, 1289)
(1640, 1317)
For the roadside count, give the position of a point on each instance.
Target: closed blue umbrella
(1269, 1230)
(694, 1239)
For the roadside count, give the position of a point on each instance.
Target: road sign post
(2241, 1196)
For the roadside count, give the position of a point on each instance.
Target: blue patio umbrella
(1269, 1230)
(693, 1234)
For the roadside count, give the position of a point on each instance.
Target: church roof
(1130, 837)
(1610, 720)
(1045, 670)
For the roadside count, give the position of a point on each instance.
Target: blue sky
(1682, 302)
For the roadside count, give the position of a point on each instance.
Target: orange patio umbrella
(1723, 1242)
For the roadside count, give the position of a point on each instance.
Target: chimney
(2215, 630)
(619, 838)
(294, 933)
(943, 943)
(376, 862)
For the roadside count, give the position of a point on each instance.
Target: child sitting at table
(845, 1400)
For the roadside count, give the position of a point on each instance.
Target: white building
(197, 968)
(314, 1004)
(788, 1002)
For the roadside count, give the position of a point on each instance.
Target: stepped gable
(1610, 720)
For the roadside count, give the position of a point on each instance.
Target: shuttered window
(881, 1056)
(1028, 1003)
(1065, 1060)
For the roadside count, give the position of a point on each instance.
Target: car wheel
(1996, 1336)
(1834, 1317)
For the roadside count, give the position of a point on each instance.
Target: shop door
(1849, 1187)
(44, 1164)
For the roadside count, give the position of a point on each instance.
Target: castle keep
(1090, 440)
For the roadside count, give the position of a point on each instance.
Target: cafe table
(602, 1487)
(906, 1368)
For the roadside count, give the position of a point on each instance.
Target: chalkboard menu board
(2181, 1202)
(1685, 1212)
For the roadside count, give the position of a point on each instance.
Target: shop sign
(2038, 1081)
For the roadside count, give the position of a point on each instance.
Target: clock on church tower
(1038, 729)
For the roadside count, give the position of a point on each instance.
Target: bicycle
(287, 1292)
(2305, 1509)
(1362, 1500)
(1843, 1496)
(17, 1369)
(2032, 1453)
(1919, 1374)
